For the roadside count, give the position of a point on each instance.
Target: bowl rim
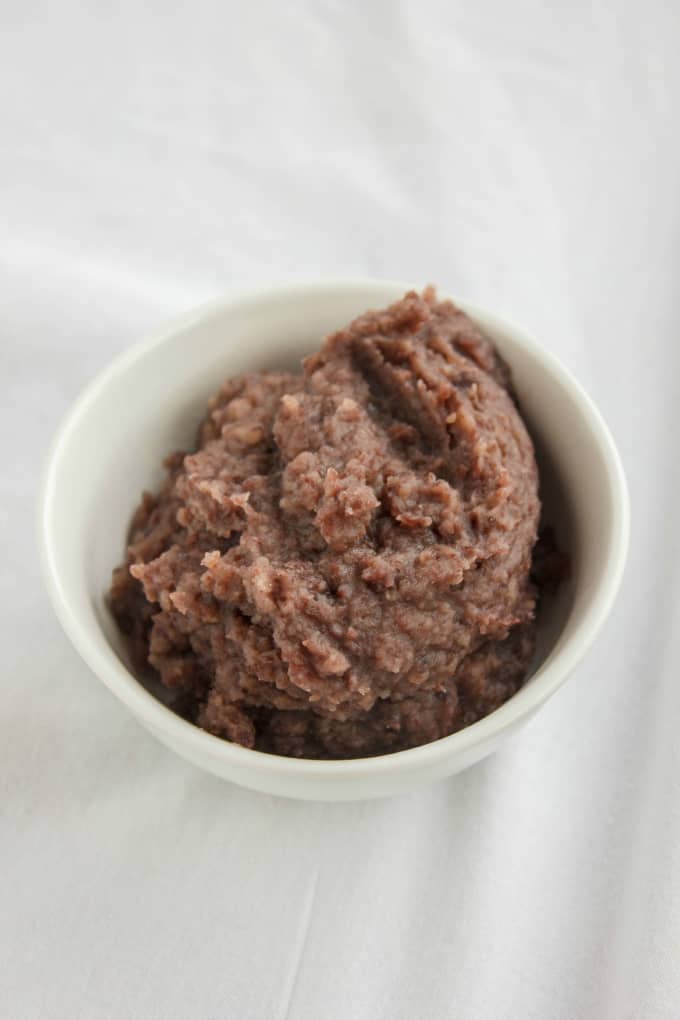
(96, 651)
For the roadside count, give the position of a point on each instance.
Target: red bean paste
(343, 566)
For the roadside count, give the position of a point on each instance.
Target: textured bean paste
(342, 567)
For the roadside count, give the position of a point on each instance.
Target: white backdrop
(522, 155)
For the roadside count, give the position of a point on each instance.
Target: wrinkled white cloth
(525, 156)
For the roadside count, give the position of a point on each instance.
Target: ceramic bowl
(149, 401)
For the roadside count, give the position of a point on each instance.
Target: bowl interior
(150, 401)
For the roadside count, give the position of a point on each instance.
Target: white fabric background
(523, 155)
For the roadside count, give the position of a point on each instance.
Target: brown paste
(342, 567)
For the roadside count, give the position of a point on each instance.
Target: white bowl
(149, 401)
